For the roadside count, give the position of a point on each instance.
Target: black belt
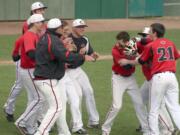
(40, 78)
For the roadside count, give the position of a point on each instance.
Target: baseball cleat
(176, 132)
(9, 117)
(139, 129)
(93, 126)
(81, 131)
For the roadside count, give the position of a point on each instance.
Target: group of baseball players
(157, 56)
(48, 61)
(48, 65)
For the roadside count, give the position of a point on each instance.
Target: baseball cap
(79, 22)
(35, 18)
(37, 5)
(146, 31)
(54, 23)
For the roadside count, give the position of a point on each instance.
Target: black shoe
(93, 126)
(175, 132)
(139, 129)
(81, 131)
(9, 117)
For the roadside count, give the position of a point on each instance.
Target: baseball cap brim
(45, 7)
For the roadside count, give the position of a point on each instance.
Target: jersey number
(165, 54)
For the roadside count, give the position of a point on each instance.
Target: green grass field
(99, 74)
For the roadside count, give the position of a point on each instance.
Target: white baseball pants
(79, 76)
(53, 92)
(15, 91)
(121, 84)
(74, 102)
(164, 87)
(29, 118)
(165, 122)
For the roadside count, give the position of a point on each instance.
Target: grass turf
(100, 76)
(102, 42)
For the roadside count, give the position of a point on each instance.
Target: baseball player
(165, 122)
(26, 122)
(122, 80)
(36, 8)
(163, 54)
(78, 75)
(9, 106)
(71, 86)
(51, 57)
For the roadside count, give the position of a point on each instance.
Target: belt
(122, 75)
(40, 78)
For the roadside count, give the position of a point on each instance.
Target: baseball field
(99, 73)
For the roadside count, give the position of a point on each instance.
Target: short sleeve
(116, 55)
(176, 53)
(29, 42)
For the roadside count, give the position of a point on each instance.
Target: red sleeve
(29, 42)
(17, 46)
(140, 47)
(116, 55)
(176, 53)
(146, 53)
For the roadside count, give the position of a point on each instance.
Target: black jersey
(51, 58)
(82, 42)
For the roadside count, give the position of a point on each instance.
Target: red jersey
(19, 42)
(163, 53)
(30, 40)
(141, 46)
(121, 70)
(25, 27)
(146, 68)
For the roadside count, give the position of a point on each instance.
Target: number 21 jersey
(163, 54)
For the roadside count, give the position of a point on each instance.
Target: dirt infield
(10, 62)
(103, 25)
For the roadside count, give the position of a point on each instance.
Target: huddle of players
(48, 59)
(158, 56)
(48, 62)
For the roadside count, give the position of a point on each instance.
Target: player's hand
(89, 58)
(71, 47)
(95, 55)
(69, 44)
(82, 51)
(123, 62)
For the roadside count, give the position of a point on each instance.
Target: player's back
(164, 55)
